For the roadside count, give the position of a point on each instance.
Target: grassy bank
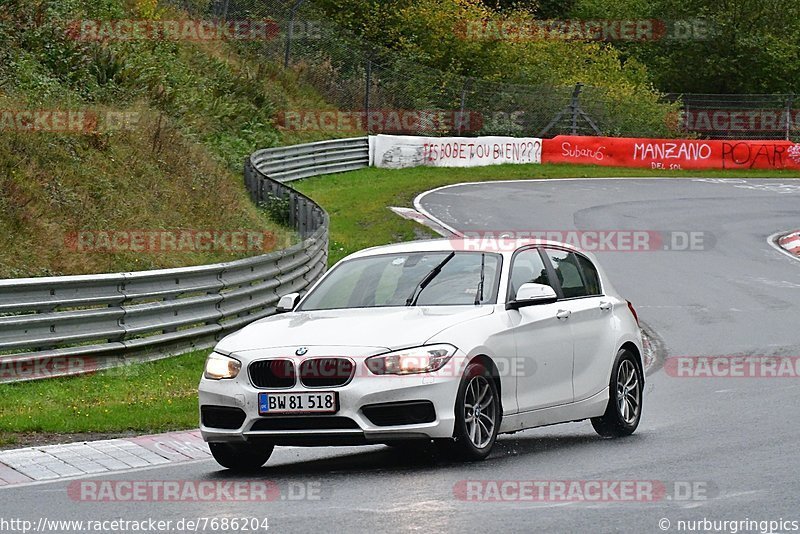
(163, 130)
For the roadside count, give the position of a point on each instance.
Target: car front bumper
(365, 389)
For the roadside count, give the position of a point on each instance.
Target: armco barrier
(66, 325)
(285, 164)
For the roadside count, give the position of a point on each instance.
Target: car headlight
(219, 366)
(426, 359)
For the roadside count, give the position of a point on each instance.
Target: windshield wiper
(412, 298)
(479, 292)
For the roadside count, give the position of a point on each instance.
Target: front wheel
(477, 413)
(625, 399)
(241, 456)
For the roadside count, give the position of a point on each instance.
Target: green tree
(713, 46)
(752, 47)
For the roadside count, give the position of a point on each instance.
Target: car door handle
(605, 306)
(563, 314)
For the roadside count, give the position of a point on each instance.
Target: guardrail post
(309, 217)
(301, 217)
(293, 211)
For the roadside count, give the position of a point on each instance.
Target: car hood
(389, 328)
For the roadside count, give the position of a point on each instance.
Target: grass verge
(149, 397)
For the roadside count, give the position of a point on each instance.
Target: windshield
(391, 279)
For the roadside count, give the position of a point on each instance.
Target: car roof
(488, 243)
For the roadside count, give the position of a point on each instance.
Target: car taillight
(633, 312)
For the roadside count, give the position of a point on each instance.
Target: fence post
(290, 32)
(575, 110)
(575, 107)
(789, 103)
(685, 119)
(366, 93)
(467, 82)
(220, 10)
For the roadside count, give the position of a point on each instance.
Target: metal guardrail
(59, 326)
(286, 164)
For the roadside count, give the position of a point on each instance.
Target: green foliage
(277, 208)
(742, 46)
(516, 5)
(424, 44)
(710, 46)
(204, 88)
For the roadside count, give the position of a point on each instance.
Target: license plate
(311, 402)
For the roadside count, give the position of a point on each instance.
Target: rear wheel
(241, 456)
(477, 414)
(625, 399)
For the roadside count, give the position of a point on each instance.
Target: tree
(713, 46)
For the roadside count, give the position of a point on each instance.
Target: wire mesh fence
(745, 116)
(375, 90)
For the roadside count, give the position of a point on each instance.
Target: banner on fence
(671, 153)
(401, 151)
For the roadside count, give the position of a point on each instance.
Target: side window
(528, 267)
(569, 275)
(590, 276)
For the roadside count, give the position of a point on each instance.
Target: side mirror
(287, 303)
(532, 294)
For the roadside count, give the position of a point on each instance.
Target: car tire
(241, 456)
(475, 430)
(624, 410)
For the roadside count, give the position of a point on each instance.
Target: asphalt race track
(733, 441)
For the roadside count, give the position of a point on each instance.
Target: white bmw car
(443, 341)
